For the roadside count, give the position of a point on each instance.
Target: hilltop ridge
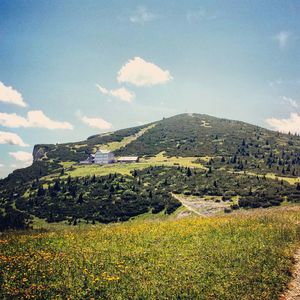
(187, 135)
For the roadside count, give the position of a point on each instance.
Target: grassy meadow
(126, 169)
(112, 146)
(243, 256)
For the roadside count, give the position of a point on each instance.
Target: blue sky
(70, 69)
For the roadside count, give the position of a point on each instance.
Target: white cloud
(11, 139)
(38, 119)
(35, 118)
(292, 124)
(283, 38)
(142, 73)
(1, 165)
(142, 15)
(293, 103)
(95, 122)
(103, 90)
(12, 120)
(9, 95)
(121, 93)
(22, 156)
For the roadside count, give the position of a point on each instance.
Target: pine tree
(41, 191)
(250, 192)
(93, 180)
(56, 186)
(80, 199)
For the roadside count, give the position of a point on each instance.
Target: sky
(70, 69)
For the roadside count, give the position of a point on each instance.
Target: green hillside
(190, 154)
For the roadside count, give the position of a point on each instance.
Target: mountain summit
(188, 154)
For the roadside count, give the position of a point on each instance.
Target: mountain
(188, 154)
(184, 135)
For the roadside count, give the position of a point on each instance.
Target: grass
(246, 256)
(126, 169)
(67, 164)
(161, 159)
(87, 170)
(158, 160)
(125, 141)
(290, 180)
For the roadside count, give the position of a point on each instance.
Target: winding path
(293, 291)
(200, 206)
(187, 205)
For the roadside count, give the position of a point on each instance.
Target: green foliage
(14, 219)
(118, 197)
(25, 175)
(105, 199)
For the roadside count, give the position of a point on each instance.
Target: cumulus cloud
(293, 103)
(139, 72)
(9, 95)
(282, 38)
(35, 118)
(142, 15)
(121, 93)
(95, 122)
(11, 139)
(22, 156)
(292, 124)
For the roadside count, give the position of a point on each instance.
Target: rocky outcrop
(39, 152)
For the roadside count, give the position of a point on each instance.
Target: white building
(128, 159)
(104, 157)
